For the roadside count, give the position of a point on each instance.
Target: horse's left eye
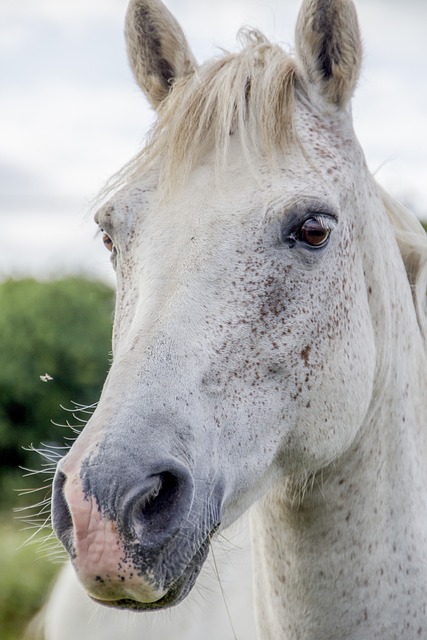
(314, 232)
(107, 241)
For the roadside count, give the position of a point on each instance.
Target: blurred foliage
(24, 580)
(61, 328)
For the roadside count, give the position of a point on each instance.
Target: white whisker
(222, 593)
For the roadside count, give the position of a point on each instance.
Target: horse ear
(329, 45)
(157, 48)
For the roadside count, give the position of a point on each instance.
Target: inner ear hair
(329, 45)
(157, 48)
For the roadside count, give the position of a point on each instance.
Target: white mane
(412, 241)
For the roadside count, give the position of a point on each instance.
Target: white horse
(269, 347)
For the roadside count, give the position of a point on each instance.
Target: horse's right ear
(328, 43)
(157, 48)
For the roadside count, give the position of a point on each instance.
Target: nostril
(155, 508)
(62, 521)
(159, 509)
(150, 513)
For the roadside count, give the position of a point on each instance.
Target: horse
(269, 346)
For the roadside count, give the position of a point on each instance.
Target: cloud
(68, 13)
(53, 245)
(14, 178)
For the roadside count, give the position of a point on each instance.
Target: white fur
(301, 372)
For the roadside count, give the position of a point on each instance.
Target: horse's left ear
(329, 45)
(157, 48)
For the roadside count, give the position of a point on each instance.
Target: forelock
(249, 94)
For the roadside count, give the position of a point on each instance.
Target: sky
(71, 114)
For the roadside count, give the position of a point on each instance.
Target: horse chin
(179, 589)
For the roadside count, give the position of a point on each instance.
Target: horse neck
(348, 561)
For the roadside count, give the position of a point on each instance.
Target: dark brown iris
(314, 232)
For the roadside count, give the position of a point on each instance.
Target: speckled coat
(269, 347)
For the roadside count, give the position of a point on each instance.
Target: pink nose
(110, 532)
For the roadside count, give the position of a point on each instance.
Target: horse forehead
(321, 164)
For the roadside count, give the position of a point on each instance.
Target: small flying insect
(46, 378)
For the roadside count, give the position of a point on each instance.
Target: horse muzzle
(133, 546)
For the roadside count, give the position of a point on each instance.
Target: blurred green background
(61, 328)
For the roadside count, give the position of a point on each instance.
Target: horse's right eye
(107, 241)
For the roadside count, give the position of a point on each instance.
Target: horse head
(245, 249)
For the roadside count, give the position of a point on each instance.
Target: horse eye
(107, 241)
(314, 232)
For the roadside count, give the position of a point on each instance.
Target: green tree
(61, 328)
